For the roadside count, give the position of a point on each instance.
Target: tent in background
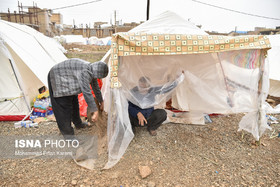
(274, 65)
(99, 41)
(93, 40)
(26, 57)
(72, 39)
(222, 75)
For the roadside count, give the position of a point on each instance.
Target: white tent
(168, 22)
(99, 41)
(26, 56)
(72, 39)
(222, 75)
(274, 65)
(93, 40)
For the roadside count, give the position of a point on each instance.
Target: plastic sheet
(255, 122)
(119, 129)
(225, 83)
(270, 110)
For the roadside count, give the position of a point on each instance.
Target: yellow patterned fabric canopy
(129, 44)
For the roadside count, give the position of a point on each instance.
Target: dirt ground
(215, 154)
(180, 155)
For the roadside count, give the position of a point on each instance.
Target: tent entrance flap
(13, 102)
(19, 84)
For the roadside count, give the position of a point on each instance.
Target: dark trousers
(154, 120)
(66, 110)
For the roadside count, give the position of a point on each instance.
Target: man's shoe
(153, 132)
(81, 126)
(133, 129)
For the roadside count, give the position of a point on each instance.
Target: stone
(151, 184)
(74, 182)
(145, 171)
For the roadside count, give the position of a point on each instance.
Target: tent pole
(258, 142)
(260, 86)
(148, 9)
(229, 98)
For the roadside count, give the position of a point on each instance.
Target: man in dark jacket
(66, 80)
(142, 112)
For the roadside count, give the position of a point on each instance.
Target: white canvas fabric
(274, 88)
(168, 22)
(26, 58)
(274, 57)
(274, 65)
(11, 87)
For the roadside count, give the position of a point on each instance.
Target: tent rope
(4, 100)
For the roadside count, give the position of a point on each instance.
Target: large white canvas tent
(168, 22)
(221, 75)
(274, 65)
(26, 56)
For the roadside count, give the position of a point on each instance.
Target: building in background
(40, 19)
(57, 18)
(100, 29)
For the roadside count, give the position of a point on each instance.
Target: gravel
(180, 155)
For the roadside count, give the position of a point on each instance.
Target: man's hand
(142, 120)
(101, 106)
(94, 116)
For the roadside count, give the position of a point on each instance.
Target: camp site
(222, 125)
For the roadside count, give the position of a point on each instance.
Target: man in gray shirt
(66, 80)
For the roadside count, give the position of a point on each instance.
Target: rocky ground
(215, 154)
(180, 155)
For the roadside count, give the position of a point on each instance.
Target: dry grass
(89, 53)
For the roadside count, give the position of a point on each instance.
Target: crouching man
(66, 80)
(144, 94)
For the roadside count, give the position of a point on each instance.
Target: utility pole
(20, 10)
(115, 15)
(9, 15)
(148, 9)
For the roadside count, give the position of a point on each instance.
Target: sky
(211, 18)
